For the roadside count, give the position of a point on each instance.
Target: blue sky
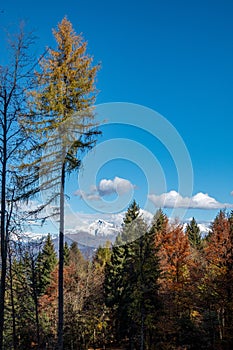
(173, 57)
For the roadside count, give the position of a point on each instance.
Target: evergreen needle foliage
(62, 124)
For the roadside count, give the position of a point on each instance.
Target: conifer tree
(175, 264)
(62, 120)
(75, 255)
(24, 296)
(131, 282)
(159, 226)
(219, 275)
(194, 234)
(117, 289)
(143, 271)
(66, 254)
(46, 263)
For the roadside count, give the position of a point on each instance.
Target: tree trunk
(142, 331)
(12, 305)
(35, 298)
(61, 264)
(142, 300)
(3, 230)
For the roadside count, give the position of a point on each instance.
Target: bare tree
(15, 80)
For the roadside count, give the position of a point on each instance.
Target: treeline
(157, 287)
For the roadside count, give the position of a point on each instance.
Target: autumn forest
(157, 287)
(160, 286)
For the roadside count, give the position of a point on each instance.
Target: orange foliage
(48, 302)
(219, 250)
(174, 255)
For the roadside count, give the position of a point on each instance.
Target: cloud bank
(173, 199)
(107, 187)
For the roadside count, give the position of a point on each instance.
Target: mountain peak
(102, 228)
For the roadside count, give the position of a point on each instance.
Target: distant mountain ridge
(94, 231)
(101, 230)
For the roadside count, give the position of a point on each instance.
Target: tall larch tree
(62, 120)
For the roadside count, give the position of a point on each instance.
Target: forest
(156, 287)
(162, 286)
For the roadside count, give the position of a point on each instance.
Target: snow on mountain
(103, 228)
(93, 230)
(104, 225)
(146, 215)
(203, 226)
(112, 225)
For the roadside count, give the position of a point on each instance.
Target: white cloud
(117, 185)
(106, 187)
(92, 196)
(231, 193)
(173, 199)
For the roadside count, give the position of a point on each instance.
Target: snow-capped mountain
(203, 226)
(94, 230)
(103, 228)
(112, 225)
